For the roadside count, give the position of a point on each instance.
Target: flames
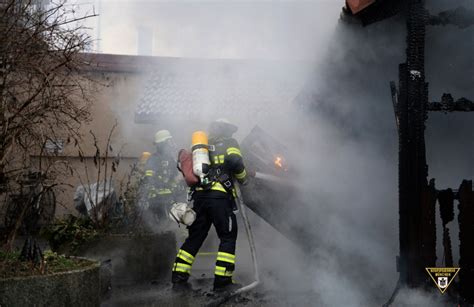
(279, 162)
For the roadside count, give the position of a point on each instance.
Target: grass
(12, 266)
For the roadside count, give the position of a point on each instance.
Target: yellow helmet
(162, 136)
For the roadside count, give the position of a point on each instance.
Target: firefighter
(162, 181)
(215, 205)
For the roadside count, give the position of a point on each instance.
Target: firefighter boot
(179, 278)
(225, 284)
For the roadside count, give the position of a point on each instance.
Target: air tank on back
(200, 150)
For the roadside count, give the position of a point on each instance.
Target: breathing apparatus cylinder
(143, 160)
(200, 150)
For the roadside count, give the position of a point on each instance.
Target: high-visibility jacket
(228, 158)
(161, 175)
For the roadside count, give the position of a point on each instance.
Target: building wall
(119, 82)
(116, 93)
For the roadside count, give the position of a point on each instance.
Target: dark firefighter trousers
(218, 212)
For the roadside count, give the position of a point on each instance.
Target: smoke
(340, 129)
(360, 159)
(219, 29)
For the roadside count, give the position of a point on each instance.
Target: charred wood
(448, 104)
(460, 17)
(466, 237)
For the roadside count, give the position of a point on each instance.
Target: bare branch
(43, 97)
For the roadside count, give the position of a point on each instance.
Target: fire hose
(253, 253)
(268, 177)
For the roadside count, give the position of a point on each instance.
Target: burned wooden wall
(466, 239)
(417, 197)
(416, 225)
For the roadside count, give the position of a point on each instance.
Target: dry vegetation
(44, 99)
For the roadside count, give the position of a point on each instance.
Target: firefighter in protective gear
(214, 205)
(162, 181)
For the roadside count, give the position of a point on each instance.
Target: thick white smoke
(342, 132)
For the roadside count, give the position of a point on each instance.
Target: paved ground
(200, 294)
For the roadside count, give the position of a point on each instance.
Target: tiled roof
(218, 88)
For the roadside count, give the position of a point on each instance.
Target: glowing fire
(278, 162)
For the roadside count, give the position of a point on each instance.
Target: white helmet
(162, 136)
